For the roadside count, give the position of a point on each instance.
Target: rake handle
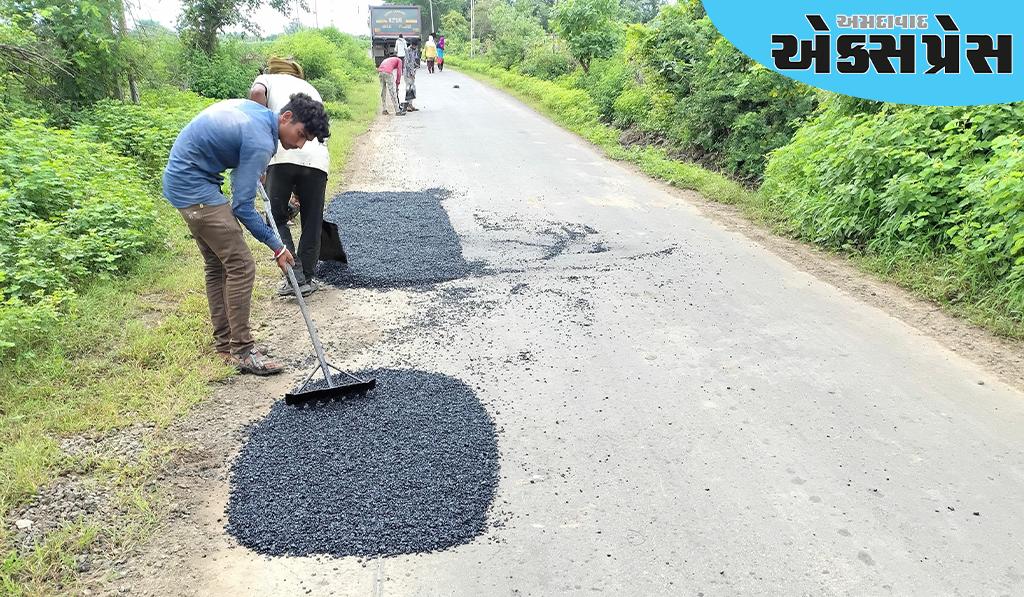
(290, 273)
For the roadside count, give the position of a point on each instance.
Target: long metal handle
(313, 336)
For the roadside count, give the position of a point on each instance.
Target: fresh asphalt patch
(395, 240)
(412, 467)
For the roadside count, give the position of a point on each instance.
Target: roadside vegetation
(103, 322)
(929, 198)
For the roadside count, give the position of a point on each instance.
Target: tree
(201, 20)
(82, 40)
(514, 32)
(641, 11)
(589, 28)
(456, 30)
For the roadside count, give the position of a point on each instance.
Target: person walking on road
(390, 73)
(412, 63)
(430, 53)
(299, 172)
(440, 53)
(242, 136)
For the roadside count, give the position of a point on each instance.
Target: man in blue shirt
(240, 135)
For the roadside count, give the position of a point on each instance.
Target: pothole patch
(412, 467)
(395, 240)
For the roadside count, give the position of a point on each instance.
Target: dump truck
(387, 22)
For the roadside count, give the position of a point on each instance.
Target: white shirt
(400, 47)
(280, 89)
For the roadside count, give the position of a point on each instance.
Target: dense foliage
(67, 220)
(589, 27)
(332, 61)
(911, 180)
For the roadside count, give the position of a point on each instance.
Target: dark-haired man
(240, 135)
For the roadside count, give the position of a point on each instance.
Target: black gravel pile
(412, 467)
(394, 240)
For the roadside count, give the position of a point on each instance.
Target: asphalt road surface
(680, 411)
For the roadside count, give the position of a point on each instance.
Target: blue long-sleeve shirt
(232, 134)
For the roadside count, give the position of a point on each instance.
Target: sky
(350, 16)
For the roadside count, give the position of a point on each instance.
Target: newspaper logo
(953, 53)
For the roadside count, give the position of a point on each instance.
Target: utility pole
(316, 15)
(432, 28)
(472, 25)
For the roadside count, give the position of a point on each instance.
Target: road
(682, 412)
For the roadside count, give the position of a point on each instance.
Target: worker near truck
(242, 136)
(401, 46)
(302, 172)
(390, 74)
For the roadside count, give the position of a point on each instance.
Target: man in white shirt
(400, 47)
(299, 171)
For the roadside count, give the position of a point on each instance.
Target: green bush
(146, 131)
(331, 89)
(514, 33)
(605, 83)
(546, 62)
(228, 73)
(927, 181)
(317, 55)
(331, 60)
(337, 111)
(73, 211)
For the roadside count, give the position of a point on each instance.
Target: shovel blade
(331, 248)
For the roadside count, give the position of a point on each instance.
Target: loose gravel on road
(412, 467)
(394, 240)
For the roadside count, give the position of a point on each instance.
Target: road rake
(333, 386)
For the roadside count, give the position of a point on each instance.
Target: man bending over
(240, 135)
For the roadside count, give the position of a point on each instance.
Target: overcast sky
(349, 16)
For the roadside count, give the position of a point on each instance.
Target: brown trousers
(230, 274)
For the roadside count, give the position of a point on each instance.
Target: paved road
(682, 412)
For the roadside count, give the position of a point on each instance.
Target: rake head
(342, 385)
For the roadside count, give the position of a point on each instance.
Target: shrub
(331, 88)
(146, 131)
(605, 83)
(589, 28)
(337, 111)
(67, 220)
(514, 32)
(228, 73)
(926, 180)
(317, 55)
(544, 62)
(331, 60)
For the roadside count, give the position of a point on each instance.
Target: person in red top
(390, 73)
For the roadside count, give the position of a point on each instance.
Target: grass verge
(135, 351)
(935, 278)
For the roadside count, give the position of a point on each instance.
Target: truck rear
(387, 22)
